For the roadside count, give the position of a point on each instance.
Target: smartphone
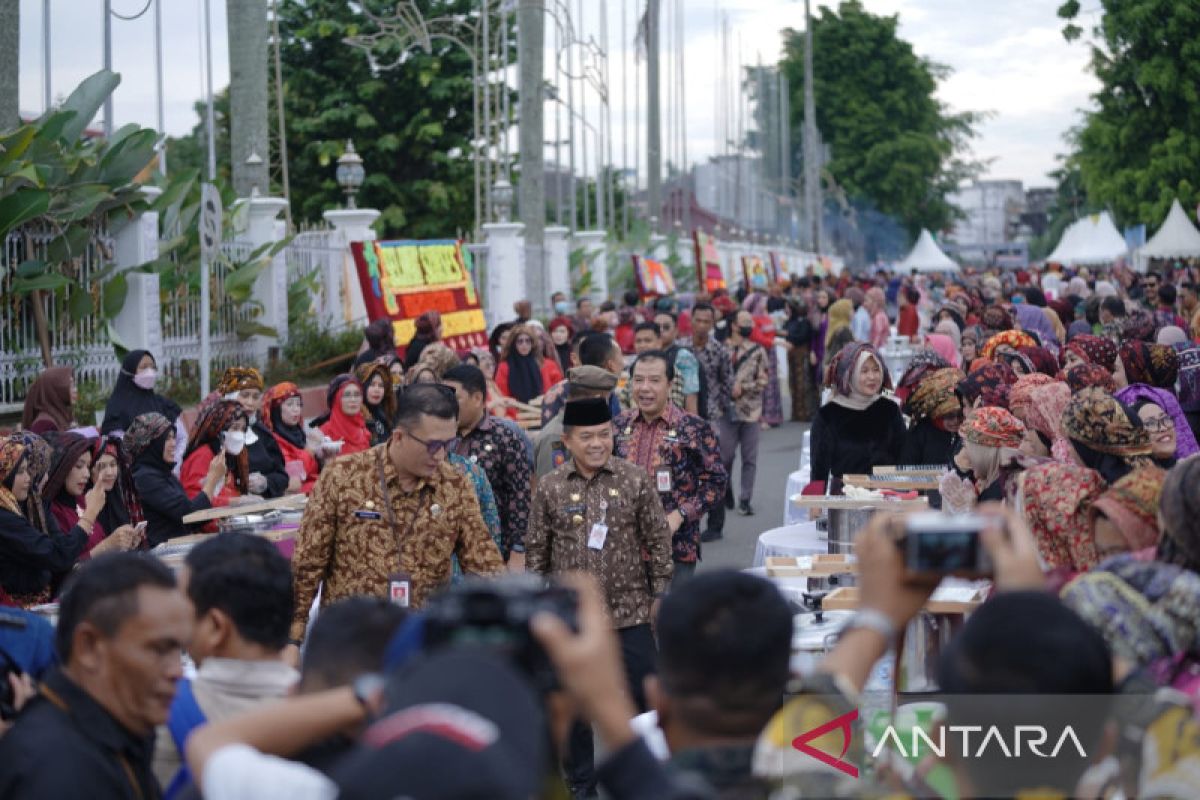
(936, 544)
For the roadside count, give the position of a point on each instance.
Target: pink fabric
(944, 347)
(881, 329)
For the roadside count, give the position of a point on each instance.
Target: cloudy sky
(1008, 58)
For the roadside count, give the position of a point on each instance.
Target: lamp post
(253, 161)
(501, 193)
(350, 173)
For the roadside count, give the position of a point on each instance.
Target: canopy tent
(1091, 240)
(926, 256)
(1177, 238)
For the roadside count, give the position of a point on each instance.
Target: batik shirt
(718, 377)
(680, 453)
(622, 497)
(347, 539)
(749, 364)
(506, 457)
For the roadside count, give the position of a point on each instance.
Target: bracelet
(294, 642)
(873, 620)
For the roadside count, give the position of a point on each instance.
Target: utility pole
(812, 166)
(108, 101)
(653, 116)
(531, 28)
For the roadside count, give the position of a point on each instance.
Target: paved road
(778, 456)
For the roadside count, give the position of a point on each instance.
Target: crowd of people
(600, 441)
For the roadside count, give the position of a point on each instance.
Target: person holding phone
(220, 430)
(110, 468)
(70, 468)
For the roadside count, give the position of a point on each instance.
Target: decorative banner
(755, 273)
(708, 262)
(404, 279)
(779, 267)
(653, 277)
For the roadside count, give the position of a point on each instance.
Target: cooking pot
(843, 524)
(814, 633)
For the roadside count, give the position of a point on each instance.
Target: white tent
(926, 256)
(1091, 240)
(1177, 238)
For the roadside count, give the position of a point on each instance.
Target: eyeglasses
(432, 447)
(1158, 424)
(524, 340)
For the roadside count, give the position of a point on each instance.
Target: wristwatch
(366, 688)
(873, 620)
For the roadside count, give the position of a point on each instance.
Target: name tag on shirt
(597, 536)
(364, 514)
(663, 478)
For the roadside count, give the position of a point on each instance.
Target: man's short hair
(662, 313)
(348, 639)
(724, 645)
(246, 577)
(595, 349)
(703, 307)
(579, 303)
(654, 355)
(1167, 294)
(470, 376)
(103, 591)
(432, 399)
(1113, 305)
(647, 326)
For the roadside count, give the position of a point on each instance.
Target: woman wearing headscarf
(1006, 340)
(1020, 363)
(344, 421)
(1057, 333)
(1043, 360)
(1088, 349)
(560, 335)
(1189, 386)
(150, 445)
(35, 507)
(283, 415)
(66, 482)
(1152, 364)
(378, 400)
(435, 361)
(1105, 434)
(944, 346)
(1139, 325)
(110, 470)
(1044, 416)
(936, 414)
(50, 401)
(268, 477)
(428, 330)
(1085, 376)
(972, 339)
(819, 320)
(523, 373)
(220, 432)
(837, 333)
(1058, 500)
(992, 440)
(380, 342)
(133, 395)
(1031, 320)
(1179, 516)
(798, 332)
(1125, 517)
(921, 365)
(995, 320)
(765, 333)
(858, 428)
(989, 385)
(28, 557)
(1170, 437)
(1020, 396)
(881, 326)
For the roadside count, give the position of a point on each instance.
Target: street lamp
(501, 195)
(254, 161)
(350, 173)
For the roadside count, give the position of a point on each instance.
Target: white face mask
(146, 379)
(234, 441)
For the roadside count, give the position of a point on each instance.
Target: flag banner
(654, 278)
(708, 262)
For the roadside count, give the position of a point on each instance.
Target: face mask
(145, 379)
(562, 307)
(234, 441)
(745, 331)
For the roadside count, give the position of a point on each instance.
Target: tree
(191, 152)
(247, 29)
(891, 141)
(1139, 148)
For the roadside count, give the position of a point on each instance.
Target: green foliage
(1139, 148)
(309, 347)
(891, 141)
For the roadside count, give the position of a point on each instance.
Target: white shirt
(239, 772)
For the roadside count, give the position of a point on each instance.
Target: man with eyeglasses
(385, 522)
(504, 452)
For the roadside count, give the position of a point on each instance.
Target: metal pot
(249, 523)
(844, 524)
(925, 639)
(813, 635)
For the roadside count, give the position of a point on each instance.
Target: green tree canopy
(891, 142)
(1139, 148)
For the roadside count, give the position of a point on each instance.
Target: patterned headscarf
(142, 433)
(974, 334)
(1058, 504)
(111, 445)
(1151, 364)
(1098, 420)
(1185, 440)
(994, 427)
(1092, 349)
(207, 433)
(1014, 340)
(435, 357)
(1132, 504)
(366, 372)
(1145, 610)
(68, 447)
(12, 452)
(1139, 325)
(39, 454)
(844, 369)
(995, 318)
(992, 382)
(1021, 394)
(944, 346)
(1042, 359)
(1020, 363)
(934, 396)
(1046, 406)
(1189, 377)
(922, 363)
(275, 397)
(1084, 376)
(237, 378)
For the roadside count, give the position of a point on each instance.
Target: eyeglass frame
(1162, 423)
(432, 448)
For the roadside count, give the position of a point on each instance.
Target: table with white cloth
(792, 587)
(801, 539)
